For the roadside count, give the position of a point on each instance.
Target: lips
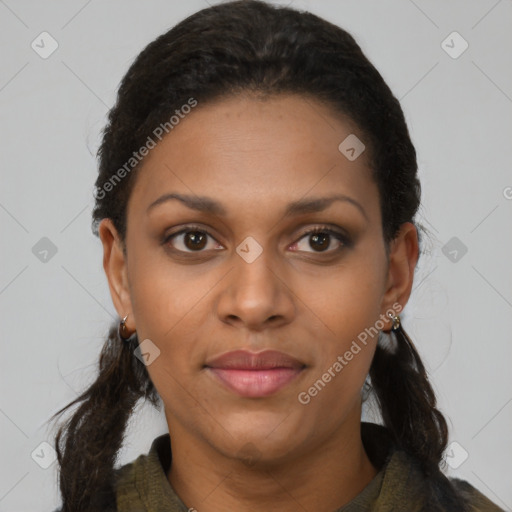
(245, 360)
(255, 374)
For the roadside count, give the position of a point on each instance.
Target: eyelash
(345, 241)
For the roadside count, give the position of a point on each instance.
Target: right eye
(191, 239)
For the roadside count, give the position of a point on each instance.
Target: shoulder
(405, 484)
(477, 501)
(436, 491)
(121, 493)
(128, 495)
(142, 484)
(442, 493)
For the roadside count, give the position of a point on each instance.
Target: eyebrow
(208, 205)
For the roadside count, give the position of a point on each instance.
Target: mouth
(255, 375)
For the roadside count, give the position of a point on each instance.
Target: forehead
(248, 151)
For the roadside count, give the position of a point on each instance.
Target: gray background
(55, 308)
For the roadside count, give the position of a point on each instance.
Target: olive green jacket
(142, 485)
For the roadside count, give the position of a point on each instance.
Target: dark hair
(236, 47)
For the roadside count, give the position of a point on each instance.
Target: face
(233, 266)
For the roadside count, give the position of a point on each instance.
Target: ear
(114, 264)
(403, 256)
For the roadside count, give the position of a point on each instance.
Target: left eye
(319, 238)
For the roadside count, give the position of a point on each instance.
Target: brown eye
(194, 240)
(191, 240)
(320, 239)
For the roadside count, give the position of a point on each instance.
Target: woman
(255, 201)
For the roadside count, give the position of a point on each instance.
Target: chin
(264, 435)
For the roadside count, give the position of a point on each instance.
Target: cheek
(167, 299)
(168, 308)
(344, 355)
(348, 304)
(349, 300)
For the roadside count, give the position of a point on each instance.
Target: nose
(256, 295)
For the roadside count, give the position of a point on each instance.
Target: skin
(255, 156)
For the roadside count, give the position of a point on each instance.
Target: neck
(322, 479)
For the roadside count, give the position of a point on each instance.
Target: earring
(122, 329)
(396, 321)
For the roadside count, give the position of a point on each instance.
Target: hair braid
(93, 436)
(408, 402)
